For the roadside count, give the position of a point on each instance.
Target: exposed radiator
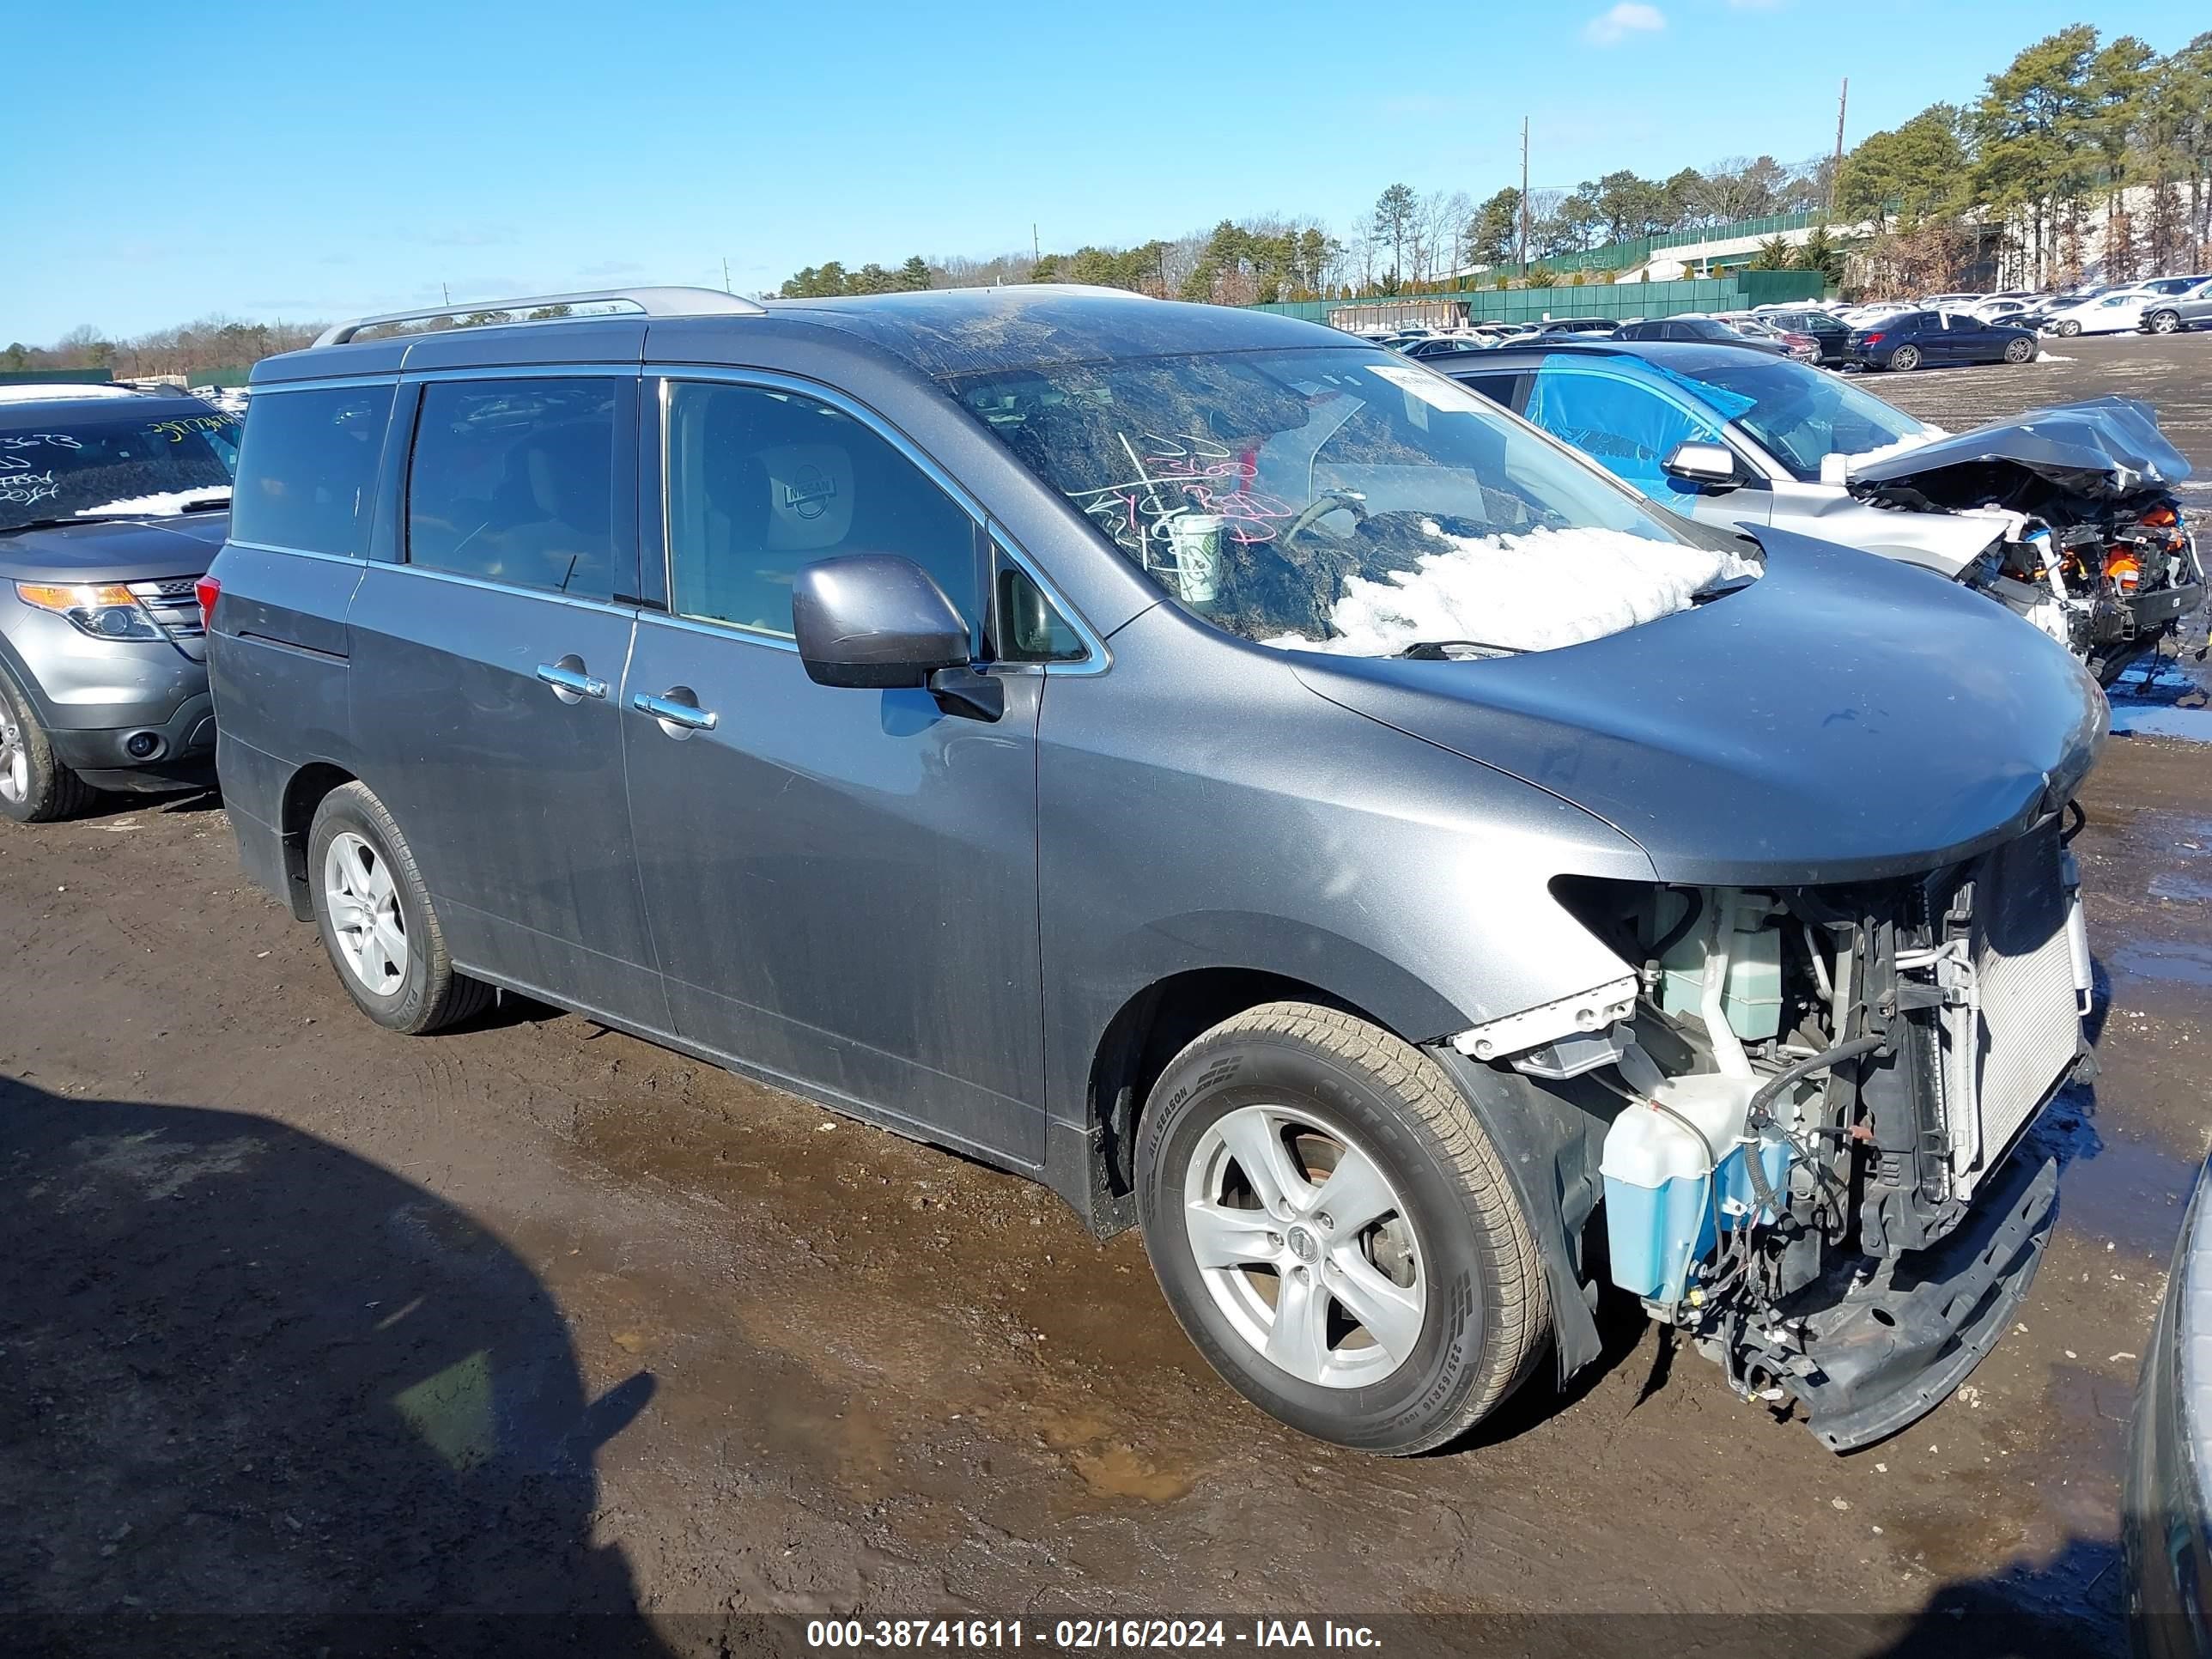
(2012, 1029)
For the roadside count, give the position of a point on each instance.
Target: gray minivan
(1209, 764)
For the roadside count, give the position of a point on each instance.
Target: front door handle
(569, 683)
(688, 716)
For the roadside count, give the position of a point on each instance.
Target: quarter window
(306, 468)
(762, 482)
(515, 482)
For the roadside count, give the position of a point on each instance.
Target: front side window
(1799, 415)
(306, 468)
(1628, 429)
(762, 482)
(1344, 498)
(100, 462)
(515, 482)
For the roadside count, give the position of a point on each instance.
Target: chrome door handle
(688, 716)
(574, 681)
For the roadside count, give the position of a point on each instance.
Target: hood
(1844, 718)
(113, 550)
(2105, 449)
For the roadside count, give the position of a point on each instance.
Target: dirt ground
(311, 1332)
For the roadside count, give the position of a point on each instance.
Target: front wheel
(2164, 322)
(35, 786)
(2066, 330)
(374, 915)
(2019, 352)
(1335, 1231)
(1905, 359)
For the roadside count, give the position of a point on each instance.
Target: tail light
(1872, 339)
(207, 590)
(2123, 572)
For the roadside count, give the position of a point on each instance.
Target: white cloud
(1610, 28)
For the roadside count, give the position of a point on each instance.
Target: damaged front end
(1810, 1101)
(2095, 550)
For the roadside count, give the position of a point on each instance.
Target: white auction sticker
(1433, 389)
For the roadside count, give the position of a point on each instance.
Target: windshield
(80, 463)
(1798, 414)
(1348, 500)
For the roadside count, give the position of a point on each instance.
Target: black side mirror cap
(874, 621)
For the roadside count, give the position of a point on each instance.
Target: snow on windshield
(1534, 591)
(163, 504)
(1845, 465)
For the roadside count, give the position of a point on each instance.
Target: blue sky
(290, 161)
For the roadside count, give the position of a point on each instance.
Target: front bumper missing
(1893, 1351)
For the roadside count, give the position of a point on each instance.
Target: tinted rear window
(307, 469)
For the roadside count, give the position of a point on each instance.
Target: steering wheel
(1329, 502)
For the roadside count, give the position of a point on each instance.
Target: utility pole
(445, 294)
(1835, 172)
(1524, 199)
(726, 273)
(1036, 253)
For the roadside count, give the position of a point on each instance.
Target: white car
(1997, 311)
(1861, 316)
(2108, 313)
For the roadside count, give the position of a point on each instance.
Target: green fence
(1738, 291)
(1620, 255)
(55, 376)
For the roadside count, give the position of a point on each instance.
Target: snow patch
(37, 392)
(1838, 464)
(2051, 357)
(166, 505)
(1533, 593)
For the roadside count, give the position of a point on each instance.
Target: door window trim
(988, 531)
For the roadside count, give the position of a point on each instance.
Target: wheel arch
(304, 791)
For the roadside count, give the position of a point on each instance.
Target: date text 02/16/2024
(1085, 1634)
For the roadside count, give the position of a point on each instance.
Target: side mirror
(1708, 466)
(877, 621)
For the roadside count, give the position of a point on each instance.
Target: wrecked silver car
(1214, 766)
(2066, 515)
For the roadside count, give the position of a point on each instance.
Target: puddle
(1119, 1472)
(2167, 960)
(2131, 1194)
(2194, 725)
(2177, 884)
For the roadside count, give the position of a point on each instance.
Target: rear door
(486, 656)
(841, 882)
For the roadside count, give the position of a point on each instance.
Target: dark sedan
(1936, 339)
(1829, 332)
(1703, 331)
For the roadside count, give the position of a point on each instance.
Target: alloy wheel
(2164, 323)
(1906, 359)
(366, 919)
(2019, 352)
(14, 757)
(1305, 1246)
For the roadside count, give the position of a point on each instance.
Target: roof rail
(647, 301)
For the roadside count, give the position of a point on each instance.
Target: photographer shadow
(264, 1395)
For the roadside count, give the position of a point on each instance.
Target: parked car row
(1370, 830)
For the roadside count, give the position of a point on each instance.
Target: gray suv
(112, 502)
(1210, 765)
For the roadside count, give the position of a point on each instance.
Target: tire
(35, 787)
(2019, 352)
(1439, 1261)
(1905, 359)
(2164, 322)
(2066, 329)
(399, 972)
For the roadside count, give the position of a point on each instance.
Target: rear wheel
(2019, 352)
(1335, 1231)
(35, 787)
(375, 918)
(1905, 359)
(2164, 322)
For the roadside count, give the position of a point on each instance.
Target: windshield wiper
(1722, 589)
(1440, 650)
(38, 524)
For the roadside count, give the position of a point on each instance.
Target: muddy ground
(309, 1331)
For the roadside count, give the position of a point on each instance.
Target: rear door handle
(690, 716)
(573, 681)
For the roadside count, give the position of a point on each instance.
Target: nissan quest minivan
(1209, 764)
